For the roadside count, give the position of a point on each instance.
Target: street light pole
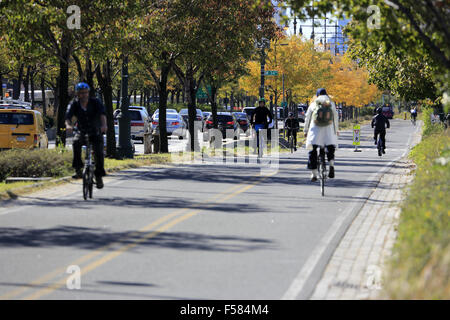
(263, 64)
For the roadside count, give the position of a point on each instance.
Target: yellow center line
(116, 253)
(56, 273)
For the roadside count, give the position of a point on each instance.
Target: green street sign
(271, 73)
(201, 94)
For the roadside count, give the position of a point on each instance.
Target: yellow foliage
(305, 70)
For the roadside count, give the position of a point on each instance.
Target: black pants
(382, 134)
(97, 145)
(294, 133)
(312, 162)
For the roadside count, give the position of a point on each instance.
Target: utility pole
(124, 150)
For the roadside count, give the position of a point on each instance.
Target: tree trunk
(63, 94)
(90, 77)
(163, 94)
(44, 102)
(214, 105)
(17, 89)
(105, 83)
(26, 84)
(118, 99)
(1, 86)
(32, 74)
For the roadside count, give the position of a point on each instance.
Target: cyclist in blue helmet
(91, 121)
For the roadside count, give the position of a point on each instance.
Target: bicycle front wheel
(91, 184)
(85, 185)
(379, 146)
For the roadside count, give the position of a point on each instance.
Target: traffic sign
(356, 135)
(271, 73)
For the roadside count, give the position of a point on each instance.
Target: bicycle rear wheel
(85, 184)
(323, 174)
(380, 146)
(291, 143)
(91, 184)
(260, 148)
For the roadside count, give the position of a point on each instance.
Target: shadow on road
(95, 238)
(159, 202)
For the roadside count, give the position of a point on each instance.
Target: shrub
(34, 163)
(429, 127)
(420, 268)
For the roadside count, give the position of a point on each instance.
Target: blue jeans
(257, 128)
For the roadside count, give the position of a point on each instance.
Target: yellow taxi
(21, 127)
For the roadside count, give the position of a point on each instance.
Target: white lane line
(300, 288)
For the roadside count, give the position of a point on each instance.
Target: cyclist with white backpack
(321, 131)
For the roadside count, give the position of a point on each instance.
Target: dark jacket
(380, 122)
(260, 116)
(292, 123)
(87, 121)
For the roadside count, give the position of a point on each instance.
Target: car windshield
(16, 118)
(184, 111)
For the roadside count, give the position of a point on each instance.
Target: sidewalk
(355, 270)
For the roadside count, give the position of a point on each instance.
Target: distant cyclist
(414, 114)
(292, 126)
(321, 131)
(91, 120)
(261, 118)
(380, 123)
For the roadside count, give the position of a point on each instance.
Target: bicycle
(322, 170)
(291, 140)
(413, 121)
(88, 171)
(380, 146)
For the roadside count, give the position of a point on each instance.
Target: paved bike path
(255, 240)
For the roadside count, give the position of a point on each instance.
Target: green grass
(420, 268)
(56, 164)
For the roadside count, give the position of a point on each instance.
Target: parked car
(174, 124)
(199, 117)
(225, 121)
(388, 111)
(139, 122)
(116, 129)
(206, 115)
(301, 113)
(140, 108)
(167, 111)
(249, 111)
(242, 119)
(21, 127)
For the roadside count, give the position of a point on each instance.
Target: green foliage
(413, 31)
(34, 163)
(429, 127)
(420, 269)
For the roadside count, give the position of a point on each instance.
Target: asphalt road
(193, 231)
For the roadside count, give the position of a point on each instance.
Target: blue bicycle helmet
(82, 86)
(321, 92)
